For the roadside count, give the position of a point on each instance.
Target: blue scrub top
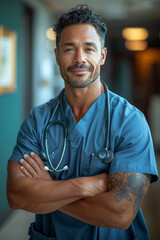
(130, 140)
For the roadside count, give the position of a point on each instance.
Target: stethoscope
(105, 155)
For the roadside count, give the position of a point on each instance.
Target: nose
(79, 57)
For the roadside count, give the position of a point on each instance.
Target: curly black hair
(80, 14)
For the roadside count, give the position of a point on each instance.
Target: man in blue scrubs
(88, 199)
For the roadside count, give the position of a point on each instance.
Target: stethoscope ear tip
(46, 168)
(65, 168)
(55, 170)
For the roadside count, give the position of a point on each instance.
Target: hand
(32, 166)
(98, 184)
(92, 185)
(102, 182)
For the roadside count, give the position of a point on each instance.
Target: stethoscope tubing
(63, 123)
(108, 115)
(51, 123)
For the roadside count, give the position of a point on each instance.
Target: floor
(151, 207)
(16, 227)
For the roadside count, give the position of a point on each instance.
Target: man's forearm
(93, 211)
(115, 208)
(42, 196)
(45, 196)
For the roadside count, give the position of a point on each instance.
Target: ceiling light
(51, 35)
(136, 45)
(135, 33)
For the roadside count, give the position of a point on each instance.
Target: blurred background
(29, 76)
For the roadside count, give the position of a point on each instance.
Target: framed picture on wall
(7, 60)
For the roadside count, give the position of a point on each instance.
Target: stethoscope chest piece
(106, 155)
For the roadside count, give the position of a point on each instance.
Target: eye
(90, 50)
(68, 49)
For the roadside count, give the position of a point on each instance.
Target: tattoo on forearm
(129, 186)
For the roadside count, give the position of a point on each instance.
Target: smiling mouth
(80, 71)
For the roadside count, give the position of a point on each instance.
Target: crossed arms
(101, 200)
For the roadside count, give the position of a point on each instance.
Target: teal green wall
(11, 13)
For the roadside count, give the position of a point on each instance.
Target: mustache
(75, 66)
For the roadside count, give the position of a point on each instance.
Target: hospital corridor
(30, 77)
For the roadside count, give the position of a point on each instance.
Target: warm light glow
(135, 33)
(136, 45)
(51, 35)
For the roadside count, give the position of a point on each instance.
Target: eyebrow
(86, 43)
(91, 44)
(68, 44)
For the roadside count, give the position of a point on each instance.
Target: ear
(56, 55)
(103, 56)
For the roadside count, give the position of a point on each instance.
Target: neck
(81, 99)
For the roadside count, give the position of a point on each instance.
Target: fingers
(28, 166)
(25, 172)
(38, 160)
(32, 165)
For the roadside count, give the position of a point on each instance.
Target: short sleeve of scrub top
(131, 140)
(30, 136)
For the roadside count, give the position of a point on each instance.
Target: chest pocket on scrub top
(94, 165)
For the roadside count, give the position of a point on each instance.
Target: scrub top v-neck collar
(80, 127)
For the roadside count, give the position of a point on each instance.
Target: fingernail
(22, 160)
(26, 155)
(32, 153)
(21, 167)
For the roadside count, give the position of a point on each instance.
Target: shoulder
(119, 103)
(123, 110)
(44, 110)
(39, 115)
(127, 122)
